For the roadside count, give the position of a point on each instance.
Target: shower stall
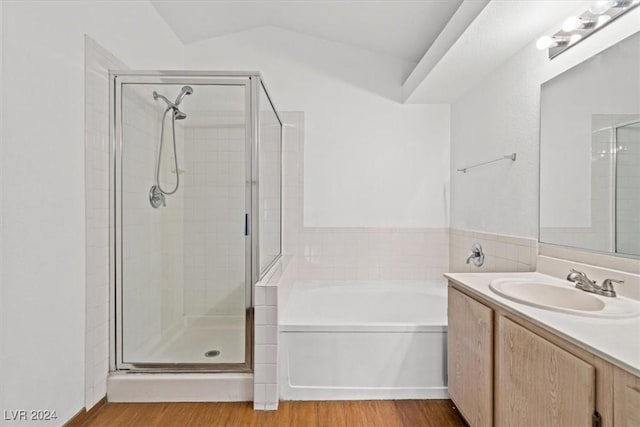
(196, 215)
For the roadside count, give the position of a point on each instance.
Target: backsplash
(502, 252)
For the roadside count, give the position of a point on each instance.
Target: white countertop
(614, 340)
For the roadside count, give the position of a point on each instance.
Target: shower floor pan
(198, 340)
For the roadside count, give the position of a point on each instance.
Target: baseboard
(83, 415)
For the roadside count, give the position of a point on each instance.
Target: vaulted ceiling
(400, 28)
(453, 44)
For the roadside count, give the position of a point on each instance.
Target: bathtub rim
(435, 287)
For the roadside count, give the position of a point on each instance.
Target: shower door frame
(252, 83)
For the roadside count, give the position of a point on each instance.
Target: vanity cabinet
(470, 358)
(505, 370)
(626, 398)
(538, 383)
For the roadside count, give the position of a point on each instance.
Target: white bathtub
(364, 340)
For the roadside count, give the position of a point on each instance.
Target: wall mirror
(590, 153)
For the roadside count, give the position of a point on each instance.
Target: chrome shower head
(186, 90)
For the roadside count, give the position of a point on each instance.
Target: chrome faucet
(584, 283)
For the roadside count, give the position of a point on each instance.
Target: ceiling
(497, 33)
(400, 28)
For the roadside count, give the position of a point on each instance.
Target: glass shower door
(183, 175)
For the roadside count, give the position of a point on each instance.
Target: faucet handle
(607, 285)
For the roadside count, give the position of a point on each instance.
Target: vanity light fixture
(576, 28)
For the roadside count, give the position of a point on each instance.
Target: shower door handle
(246, 224)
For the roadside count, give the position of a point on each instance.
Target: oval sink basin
(562, 298)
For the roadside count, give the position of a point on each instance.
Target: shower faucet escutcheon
(476, 256)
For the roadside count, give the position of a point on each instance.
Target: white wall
(2, 317)
(369, 160)
(501, 115)
(43, 242)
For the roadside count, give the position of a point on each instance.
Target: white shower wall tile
(97, 210)
(153, 279)
(265, 350)
(162, 293)
(502, 253)
(214, 188)
(279, 277)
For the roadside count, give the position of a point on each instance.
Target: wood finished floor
(384, 413)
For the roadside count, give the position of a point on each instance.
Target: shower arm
(170, 105)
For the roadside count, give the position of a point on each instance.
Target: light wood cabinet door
(538, 383)
(470, 358)
(626, 399)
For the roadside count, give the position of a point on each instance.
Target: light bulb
(571, 23)
(545, 42)
(603, 19)
(575, 38)
(600, 7)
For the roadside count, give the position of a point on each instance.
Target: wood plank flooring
(383, 413)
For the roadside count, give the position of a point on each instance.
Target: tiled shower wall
(165, 292)
(214, 189)
(97, 201)
(152, 241)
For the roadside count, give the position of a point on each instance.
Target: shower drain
(212, 353)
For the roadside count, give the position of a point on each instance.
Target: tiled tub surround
(266, 336)
(329, 253)
(372, 253)
(377, 256)
(502, 252)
